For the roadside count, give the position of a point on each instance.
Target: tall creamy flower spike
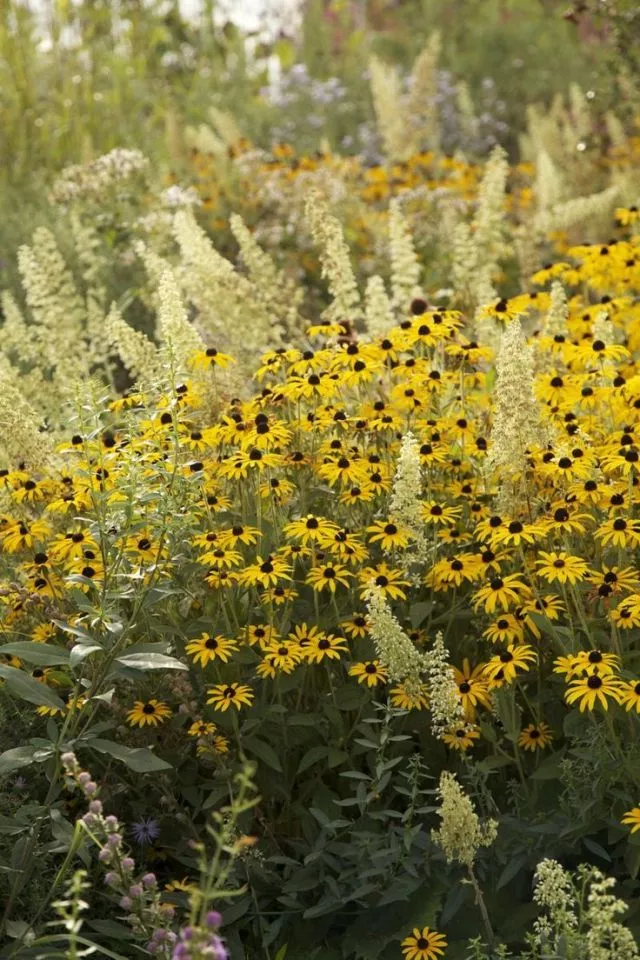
(516, 422)
(336, 263)
(461, 834)
(406, 505)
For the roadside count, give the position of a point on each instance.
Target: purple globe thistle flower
(146, 830)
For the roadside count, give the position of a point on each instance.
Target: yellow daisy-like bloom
(260, 633)
(223, 695)
(282, 656)
(201, 728)
(472, 688)
(148, 713)
(71, 703)
(71, 545)
(278, 595)
(500, 590)
(206, 359)
(505, 665)
(43, 632)
(614, 580)
(593, 689)
(630, 695)
(407, 696)
(424, 944)
(568, 667)
(536, 736)
(389, 535)
(561, 567)
(504, 629)
(240, 533)
(345, 547)
(517, 532)
(309, 529)
(266, 573)
(439, 513)
(325, 645)
(327, 577)
(22, 536)
(212, 746)
(207, 648)
(619, 532)
(221, 579)
(391, 582)
(632, 819)
(185, 886)
(565, 522)
(626, 615)
(371, 672)
(357, 626)
(627, 215)
(461, 737)
(594, 661)
(221, 558)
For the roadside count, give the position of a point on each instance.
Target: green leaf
(311, 756)
(150, 661)
(321, 909)
(81, 651)
(39, 653)
(494, 763)
(16, 758)
(419, 612)
(335, 757)
(282, 952)
(111, 929)
(549, 769)
(63, 939)
(350, 697)
(455, 898)
(25, 687)
(596, 849)
(16, 928)
(511, 870)
(76, 631)
(264, 752)
(138, 759)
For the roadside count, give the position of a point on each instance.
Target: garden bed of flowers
(319, 595)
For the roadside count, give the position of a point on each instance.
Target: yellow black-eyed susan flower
(424, 944)
(224, 695)
(206, 649)
(149, 713)
(535, 736)
(369, 672)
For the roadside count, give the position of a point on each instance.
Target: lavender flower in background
(196, 943)
(304, 103)
(307, 105)
(145, 830)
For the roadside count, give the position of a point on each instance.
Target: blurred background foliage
(80, 78)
